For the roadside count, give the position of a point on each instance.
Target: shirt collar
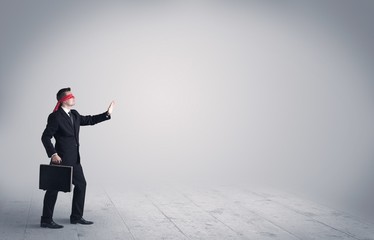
(66, 110)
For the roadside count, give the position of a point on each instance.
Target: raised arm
(94, 119)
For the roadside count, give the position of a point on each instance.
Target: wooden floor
(210, 213)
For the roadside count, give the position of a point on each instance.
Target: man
(63, 124)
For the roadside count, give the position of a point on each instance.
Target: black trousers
(79, 194)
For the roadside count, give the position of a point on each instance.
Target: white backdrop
(228, 92)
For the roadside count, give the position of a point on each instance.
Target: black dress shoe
(80, 221)
(50, 224)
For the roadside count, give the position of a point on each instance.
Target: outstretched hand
(110, 108)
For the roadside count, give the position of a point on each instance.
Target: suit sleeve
(94, 119)
(49, 132)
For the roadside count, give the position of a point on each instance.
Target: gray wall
(239, 92)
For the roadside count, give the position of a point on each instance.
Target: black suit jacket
(66, 134)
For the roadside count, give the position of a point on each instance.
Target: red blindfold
(67, 97)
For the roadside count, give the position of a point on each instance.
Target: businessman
(63, 125)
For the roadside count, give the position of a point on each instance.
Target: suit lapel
(76, 122)
(67, 118)
(67, 121)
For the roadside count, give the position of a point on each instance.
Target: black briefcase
(55, 177)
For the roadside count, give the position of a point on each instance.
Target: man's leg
(50, 198)
(46, 221)
(79, 194)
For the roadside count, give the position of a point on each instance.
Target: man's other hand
(56, 159)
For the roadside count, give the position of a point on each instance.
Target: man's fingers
(111, 106)
(56, 159)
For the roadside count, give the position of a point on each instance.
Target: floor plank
(144, 219)
(181, 213)
(304, 227)
(194, 221)
(342, 221)
(247, 223)
(108, 224)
